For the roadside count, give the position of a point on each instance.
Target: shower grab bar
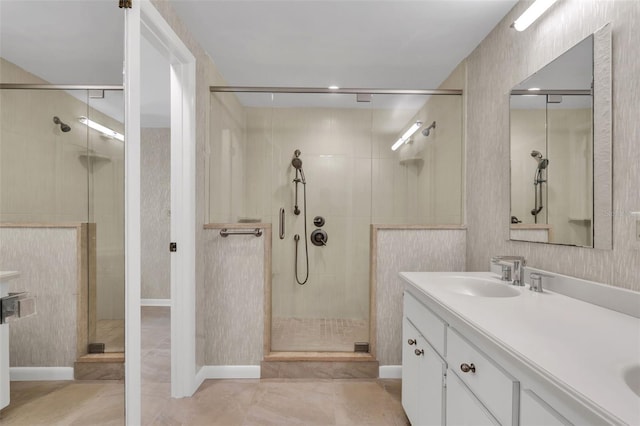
(226, 232)
(282, 223)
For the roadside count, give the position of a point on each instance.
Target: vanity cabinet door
(534, 411)
(463, 408)
(422, 379)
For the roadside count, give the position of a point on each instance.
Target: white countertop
(586, 347)
(5, 275)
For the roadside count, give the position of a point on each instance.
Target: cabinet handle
(467, 367)
(419, 352)
(412, 342)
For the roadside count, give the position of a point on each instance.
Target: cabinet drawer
(429, 325)
(497, 390)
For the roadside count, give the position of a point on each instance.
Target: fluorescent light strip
(102, 129)
(404, 138)
(532, 13)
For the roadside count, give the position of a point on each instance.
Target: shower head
(536, 154)
(296, 162)
(64, 127)
(427, 130)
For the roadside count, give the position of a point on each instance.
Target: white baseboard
(228, 372)
(30, 374)
(390, 372)
(155, 302)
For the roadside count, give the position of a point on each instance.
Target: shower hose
(306, 239)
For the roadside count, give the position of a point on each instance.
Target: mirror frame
(602, 145)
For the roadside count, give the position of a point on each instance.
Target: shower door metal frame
(324, 90)
(267, 351)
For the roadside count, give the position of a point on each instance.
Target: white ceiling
(357, 43)
(350, 43)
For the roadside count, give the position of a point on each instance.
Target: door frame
(144, 20)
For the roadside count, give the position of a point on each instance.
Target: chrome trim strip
(551, 92)
(59, 86)
(258, 89)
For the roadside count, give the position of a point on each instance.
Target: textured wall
(155, 189)
(408, 251)
(234, 299)
(47, 259)
(502, 60)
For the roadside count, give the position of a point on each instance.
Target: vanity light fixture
(531, 14)
(102, 129)
(405, 137)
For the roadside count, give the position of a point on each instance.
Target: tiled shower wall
(502, 60)
(408, 250)
(48, 260)
(234, 298)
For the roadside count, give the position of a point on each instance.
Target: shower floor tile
(317, 334)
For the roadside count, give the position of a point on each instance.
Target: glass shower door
(321, 176)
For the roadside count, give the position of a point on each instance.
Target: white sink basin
(632, 378)
(480, 287)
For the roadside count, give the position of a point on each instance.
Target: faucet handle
(536, 281)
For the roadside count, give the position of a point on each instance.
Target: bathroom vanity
(5, 277)
(477, 351)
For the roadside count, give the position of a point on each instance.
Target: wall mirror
(560, 144)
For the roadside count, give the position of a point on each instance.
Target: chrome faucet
(511, 268)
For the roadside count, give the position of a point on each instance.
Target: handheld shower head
(64, 127)
(542, 162)
(296, 162)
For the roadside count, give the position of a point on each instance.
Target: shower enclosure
(317, 164)
(62, 163)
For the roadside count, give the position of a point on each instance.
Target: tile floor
(217, 402)
(317, 334)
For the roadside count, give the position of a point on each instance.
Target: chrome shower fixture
(427, 130)
(542, 162)
(64, 127)
(296, 162)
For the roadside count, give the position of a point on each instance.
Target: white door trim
(144, 19)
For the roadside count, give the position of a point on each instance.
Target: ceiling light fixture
(102, 129)
(405, 137)
(333, 87)
(531, 14)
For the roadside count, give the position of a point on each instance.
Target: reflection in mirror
(62, 210)
(552, 151)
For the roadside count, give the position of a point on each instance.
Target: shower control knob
(319, 237)
(318, 221)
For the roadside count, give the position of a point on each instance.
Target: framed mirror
(560, 145)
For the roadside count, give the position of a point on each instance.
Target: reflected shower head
(427, 130)
(64, 127)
